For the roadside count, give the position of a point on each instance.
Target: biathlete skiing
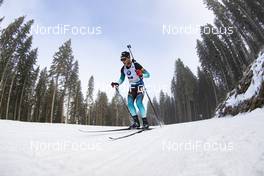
(135, 74)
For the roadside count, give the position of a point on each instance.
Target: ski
(102, 131)
(131, 134)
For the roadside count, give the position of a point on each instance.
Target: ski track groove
(115, 161)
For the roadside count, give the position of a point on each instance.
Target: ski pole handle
(129, 48)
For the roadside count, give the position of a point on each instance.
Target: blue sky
(139, 23)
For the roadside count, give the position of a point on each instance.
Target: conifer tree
(59, 70)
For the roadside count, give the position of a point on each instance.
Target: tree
(150, 112)
(9, 41)
(256, 8)
(72, 88)
(101, 108)
(184, 91)
(39, 114)
(89, 100)
(18, 73)
(27, 77)
(118, 113)
(77, 108)
(47, 107)
(245, 18)
(60, 69)
(166, 108)
(206, 95)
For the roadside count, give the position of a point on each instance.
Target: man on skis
(135, 74)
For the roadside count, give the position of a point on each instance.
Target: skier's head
(125, 58)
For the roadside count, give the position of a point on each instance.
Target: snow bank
(255, 85)
(249, 94)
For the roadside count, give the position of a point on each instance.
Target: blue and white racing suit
(136, 90)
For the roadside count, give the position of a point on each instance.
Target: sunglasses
(123, 59)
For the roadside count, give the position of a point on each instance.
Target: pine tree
(156, 106)
(72, 88)
(101, 108)
(114, 110)
(150, 114)
(184, 91)
(242, 18)
(47, 107)
(118, 112)
(26, 79)
(239, 34)
(256, 7)
(39, 114)
(245, 18)
(60, 69)
(217, 61)
(78, 108)
(9, 41)
(206, 95)
(162, 105)
(166, 106)
(17, 61)
(32, 94)
(89, 101)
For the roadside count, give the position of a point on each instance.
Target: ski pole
(154, 110)
(117, 90)
(129, 48)
(157, 119)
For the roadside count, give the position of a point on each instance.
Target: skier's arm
(141, 71)
(145, 73)
(122, 78)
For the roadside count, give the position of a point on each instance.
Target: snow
(215, 147)
(253, 89)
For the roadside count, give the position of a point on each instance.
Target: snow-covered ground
(215, 147)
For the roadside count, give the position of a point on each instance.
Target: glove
(139, 73)
(114, 84)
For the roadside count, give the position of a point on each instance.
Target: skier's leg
(131, 107)
(139, 101)
(131, 99)
(141, 108)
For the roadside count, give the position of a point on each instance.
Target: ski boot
(145, 123)
(136, 124)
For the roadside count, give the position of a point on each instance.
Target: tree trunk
(15, 111)
(21, 99)
(3, 76)
(2, 94)
(68, 107)
(9, 94)
(53, 99)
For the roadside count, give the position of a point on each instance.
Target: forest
(54, 94)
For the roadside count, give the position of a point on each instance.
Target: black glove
(114, 84)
